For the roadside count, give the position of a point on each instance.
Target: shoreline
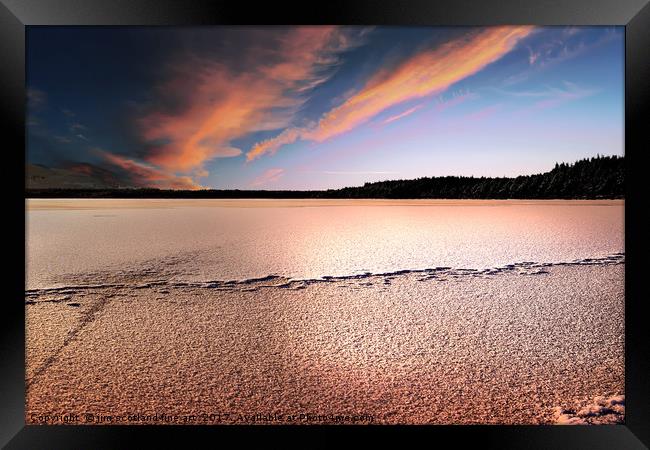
(45, 204)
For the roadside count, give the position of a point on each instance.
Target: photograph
(325, 225)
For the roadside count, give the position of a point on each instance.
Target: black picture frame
(16, 15)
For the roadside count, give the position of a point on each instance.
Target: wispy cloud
(484, 113)
(76, 126)
(456, 98)
(36, 98)
(568, 44)
(401, 115)
(269, 176)
(145, 175)
(568, 92)
(84, 169)
(550, 96)
(223, 104)
(427, 73)
(533, 56)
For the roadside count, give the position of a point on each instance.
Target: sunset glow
(320, 106)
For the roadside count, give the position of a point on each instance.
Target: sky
(320, 107)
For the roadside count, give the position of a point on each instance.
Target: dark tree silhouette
(593, 178)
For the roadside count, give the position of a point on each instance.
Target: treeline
(599, 177)
(594, 178)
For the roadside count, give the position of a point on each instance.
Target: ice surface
(201, 240)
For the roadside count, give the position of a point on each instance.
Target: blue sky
(320, 107)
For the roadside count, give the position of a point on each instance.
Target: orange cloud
(408, 112)
(83, 169)
(146, 175)
(268, 177)
(428, 72)
(225, 104)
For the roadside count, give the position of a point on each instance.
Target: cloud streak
(550, 97)
(145, 175)
(408, 112)
(36, 98)
(269, 176)
(223, 104)
(484, 113)
(567, 45)
(427, 73)
(558, 96)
